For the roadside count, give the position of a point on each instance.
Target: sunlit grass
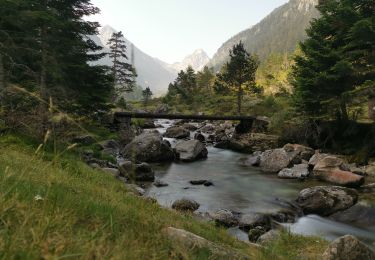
(64, 209)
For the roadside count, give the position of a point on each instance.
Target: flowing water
(242, 189)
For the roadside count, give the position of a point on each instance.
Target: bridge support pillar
(244, 126)
(122, 123)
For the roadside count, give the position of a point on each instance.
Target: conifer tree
(337, 58)
(239, 73)
(123, 72)
(147, 94)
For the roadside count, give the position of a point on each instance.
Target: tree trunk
(43, 72)
(371, 108)
(239, 100)
(344, 111)
(2, 80)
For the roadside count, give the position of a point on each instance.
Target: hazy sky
(172, 29)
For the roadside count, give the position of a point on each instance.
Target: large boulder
(137, 172)
(359, 215)
(349, 248)
(177, 132)
(329, 169)
(148, 147)
(191, 150)
(185, 205)
(252, 160)
(326, 200)
(276, 160)
(370, 170)
(109, 147)
(298, 171)
(189, 241)
(317, 157)
(304, 152)
(248, 222)
(225, 218)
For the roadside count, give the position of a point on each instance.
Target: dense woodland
(46, 60)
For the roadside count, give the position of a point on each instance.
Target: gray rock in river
(148, 147)
(278, 159)
(137, 172)
(268, 237)
(326, 200)
(185, 205)
(298, 171)
(191, 150)
(160, 184)
(177, 132)
(349, 248)
(250, 221)
(225, 218)
(358, 215)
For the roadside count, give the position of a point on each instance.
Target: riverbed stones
(177, 132)
(299, 171)
(359, 215)
(326, 200)
(148, 147)
(191, 150)
(185, 205)
(250, 142)
(349, 248)
(256, 233)
(252, 160)
(200, 137)
(135, 189)
(224, 217)
(160, 184)
(250, 221)
(202, 182)
(369, 188)
(137, 172)
(109, 147)
(329, 169)
(189, 241)
(370, 170)
(84, 139)
(270, 236)
(304, 152)
(317, 157)
(275, 160)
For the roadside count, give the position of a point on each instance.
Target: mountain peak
(197, 60)
(105, 33)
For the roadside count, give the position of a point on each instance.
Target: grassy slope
(87, 214)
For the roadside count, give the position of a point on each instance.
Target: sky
(172, 29)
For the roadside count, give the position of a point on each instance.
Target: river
(243, 189)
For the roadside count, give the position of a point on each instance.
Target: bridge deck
(181, 116)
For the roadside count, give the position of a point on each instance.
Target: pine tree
(205, 79)
(336, 58)
(147, 94)
(239, 73)
(123, 72)
(51, 49)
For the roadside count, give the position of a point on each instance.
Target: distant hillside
(279, 32)
(152, 72)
